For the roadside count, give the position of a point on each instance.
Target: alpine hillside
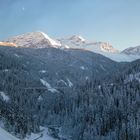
(67, 89)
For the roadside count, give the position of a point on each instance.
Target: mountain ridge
(39, 40)
(34, 39)
(132, 50)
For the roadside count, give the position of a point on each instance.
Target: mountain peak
(79, 42)
(77, 38)
(34, 39)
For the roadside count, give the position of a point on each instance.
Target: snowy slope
(43, 135)
(103, 48)
(4, 96)
(51, 41)
(35, 40)
(6, 136)
(132, 51)
(48, 86)
(120, 57)
(80, 42)
(42, 40)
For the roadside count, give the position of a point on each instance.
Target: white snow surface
(119, 57)
(103, 48)
(81, 38)
(52, 42)
(16, 55)
(62, 82)
(78, 38)
(69, 82)
(4, 135)
(45, 83)
(67, 47)
(43, 135)
(42, 71)
(82, 67)
(40, 98)
(5, 70)
(4, 96)
(87, 78)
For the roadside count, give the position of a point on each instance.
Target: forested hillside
(79, 98)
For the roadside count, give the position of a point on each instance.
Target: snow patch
(67, 47)
(99, 86)
(40, 98)
(17, 55)
(5, 70)
(62, 82)
(120, 57)
(52, 42)
(4, 96)
(82, 67)
(6, 136)
(81, 38)
(87, 77)
(42, 71)
(45, 83)
(76, 38)
(69, 83)
(43, 135)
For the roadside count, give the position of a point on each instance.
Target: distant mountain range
(132, 51)
(42, 40)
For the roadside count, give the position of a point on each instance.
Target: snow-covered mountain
(55, 85)
(80, 42)
(35, 40)
(42, 40)
(43, 135)
(132, 51)
(103, 48)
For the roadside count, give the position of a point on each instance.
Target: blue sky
(114, 21)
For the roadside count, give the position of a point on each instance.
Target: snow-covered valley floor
(4, 135)
(43, 135)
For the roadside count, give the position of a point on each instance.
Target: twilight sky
(114, 21)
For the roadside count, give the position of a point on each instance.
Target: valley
(79, 93)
